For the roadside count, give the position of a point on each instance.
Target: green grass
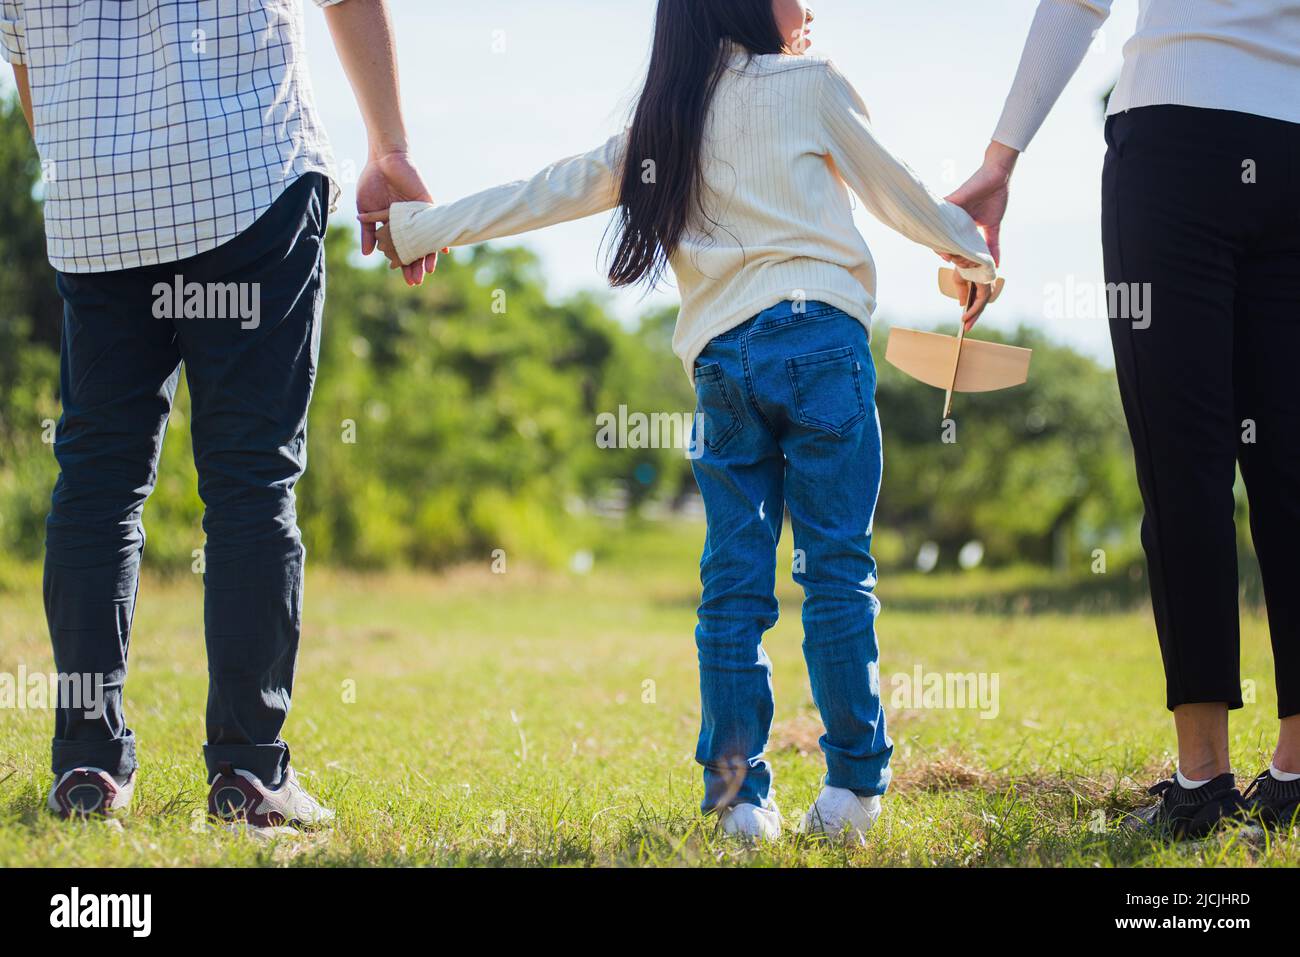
(504, 720)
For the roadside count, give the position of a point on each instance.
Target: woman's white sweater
(1239, 55)
(786, 139)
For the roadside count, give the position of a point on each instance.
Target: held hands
(986, 194)
(983, 294)
(387, 179)
(984, 197)
(983, 291)
(379, 222)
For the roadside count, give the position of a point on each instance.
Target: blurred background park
(460, 419)
(446, 426)
(501, 718)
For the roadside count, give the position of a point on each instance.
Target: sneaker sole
(259, 832)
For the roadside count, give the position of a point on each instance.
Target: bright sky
(495, 90)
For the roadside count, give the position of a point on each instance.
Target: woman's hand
(985, 195)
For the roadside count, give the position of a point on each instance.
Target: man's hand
(390, 179)
(985, 195)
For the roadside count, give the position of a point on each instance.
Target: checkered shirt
(164, 127)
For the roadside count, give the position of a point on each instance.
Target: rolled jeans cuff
(116, 756)
(267, 761)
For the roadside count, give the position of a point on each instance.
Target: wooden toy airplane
(958, 364)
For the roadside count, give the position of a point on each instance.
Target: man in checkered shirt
(187, 185)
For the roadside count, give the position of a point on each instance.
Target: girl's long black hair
(662, 178)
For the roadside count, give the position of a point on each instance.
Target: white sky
(933, 72)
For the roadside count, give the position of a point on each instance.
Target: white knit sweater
(1240, 55)
(785, 136)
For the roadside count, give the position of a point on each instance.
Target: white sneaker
(752, 823)
(90, 792)
(239, 797)
(840, 815)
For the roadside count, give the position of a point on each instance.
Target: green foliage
(459, 418)
(1041, 473)
(29, 316)
(27, 412)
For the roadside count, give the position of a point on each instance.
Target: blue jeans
(786, 407)
(251, 381)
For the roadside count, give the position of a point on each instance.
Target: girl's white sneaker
(752, 823)
(840, 815)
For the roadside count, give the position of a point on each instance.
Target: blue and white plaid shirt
(165, 127)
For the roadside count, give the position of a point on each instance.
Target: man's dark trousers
(250, 377)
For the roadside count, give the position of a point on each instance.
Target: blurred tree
(30, 314)
(26, 279)
(1039, 473)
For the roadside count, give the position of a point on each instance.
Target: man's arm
(24, 95)
(363, 36)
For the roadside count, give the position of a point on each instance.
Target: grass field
(483, 719)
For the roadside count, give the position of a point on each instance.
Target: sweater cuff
(1016, 139)
(1019, 123)
(411, 241)
(984, 273)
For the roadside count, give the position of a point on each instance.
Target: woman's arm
(1059, 38)
(893, 193)
(571, 189)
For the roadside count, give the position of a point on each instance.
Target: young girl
(736, 173)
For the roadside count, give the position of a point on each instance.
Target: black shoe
(1274, 803)
(1191, 813)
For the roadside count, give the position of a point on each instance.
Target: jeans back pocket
(828, 389)
(716, 415)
